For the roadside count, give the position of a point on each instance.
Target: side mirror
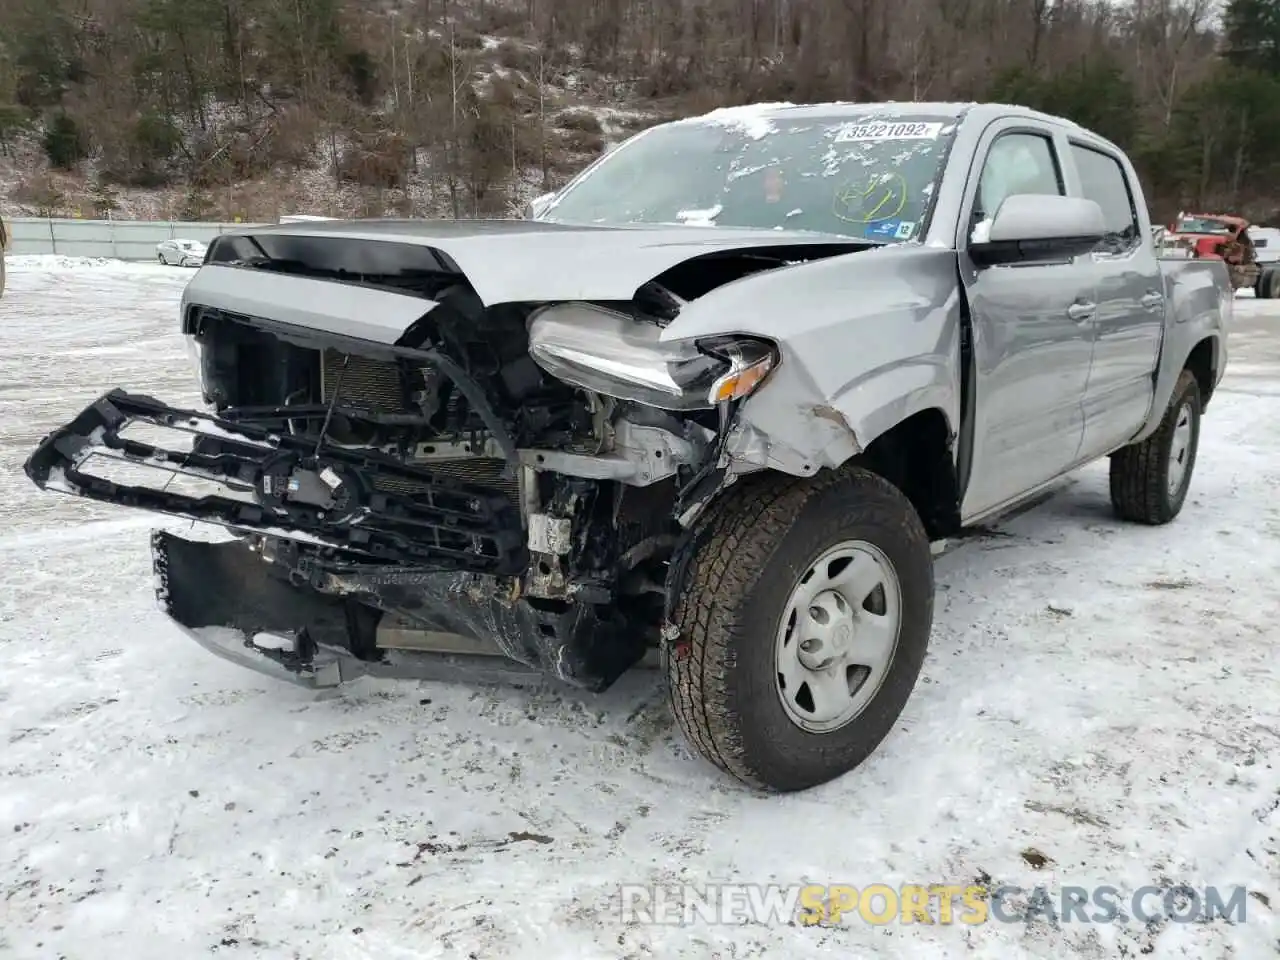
(538, 206)
(1029, 228)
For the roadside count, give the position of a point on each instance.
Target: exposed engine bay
(522, 471)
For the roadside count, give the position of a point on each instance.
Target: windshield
(871, 176)
(1202, 225)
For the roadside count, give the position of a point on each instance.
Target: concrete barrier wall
(118, 239)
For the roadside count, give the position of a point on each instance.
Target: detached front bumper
(224, 597)
(253, 613)
(445, 556)
(247, 477)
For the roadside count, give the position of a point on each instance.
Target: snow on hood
(700, 218)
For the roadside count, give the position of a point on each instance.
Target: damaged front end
(404, 466)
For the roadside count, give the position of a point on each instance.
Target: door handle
(1152, 301)
(1082, 312)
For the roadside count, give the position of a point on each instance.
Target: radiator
(371, 384)
(482, 471)
(377, 385)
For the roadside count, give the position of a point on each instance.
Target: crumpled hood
(525, 260)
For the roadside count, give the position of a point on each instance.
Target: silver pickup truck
(716, 398)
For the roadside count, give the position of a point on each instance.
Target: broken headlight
(613, 354)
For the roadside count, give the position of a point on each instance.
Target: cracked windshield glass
(868, 177)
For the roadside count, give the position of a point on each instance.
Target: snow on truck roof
(756, 120)
(748, 114)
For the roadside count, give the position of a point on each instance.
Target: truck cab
(1067, 348)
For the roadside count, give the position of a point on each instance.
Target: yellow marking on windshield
(894, 188)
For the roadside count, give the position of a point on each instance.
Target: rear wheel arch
(1203, 361)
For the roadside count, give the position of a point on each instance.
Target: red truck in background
(1215, 236)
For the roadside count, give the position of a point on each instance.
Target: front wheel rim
(1180, 449)
(837, 636)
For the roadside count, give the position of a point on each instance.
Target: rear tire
(1150, 480)
(747, 623)
(1264, 286)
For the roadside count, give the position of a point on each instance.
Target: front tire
(1150, 480)
(804, 618)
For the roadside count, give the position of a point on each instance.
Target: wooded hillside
(219, 108)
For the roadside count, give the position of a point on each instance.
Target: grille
(371, 384)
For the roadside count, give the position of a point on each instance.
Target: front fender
(866, 340)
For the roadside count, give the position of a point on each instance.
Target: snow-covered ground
(1106, 695)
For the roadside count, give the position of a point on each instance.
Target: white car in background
(184, 253)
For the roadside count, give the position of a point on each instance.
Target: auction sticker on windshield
(890, 230)
(889, 131)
